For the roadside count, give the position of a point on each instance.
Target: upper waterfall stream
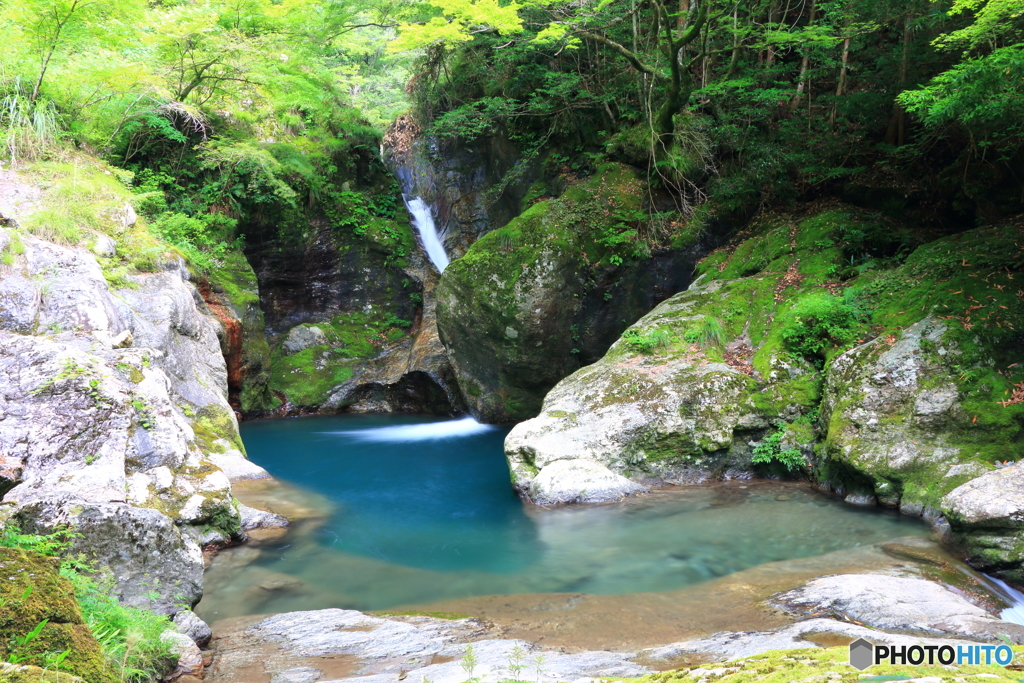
(423, 219)
(407, 510)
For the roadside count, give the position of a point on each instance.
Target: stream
(402, 510)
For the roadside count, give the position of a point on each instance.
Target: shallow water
(408, 510)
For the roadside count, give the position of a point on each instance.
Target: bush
(818, 323)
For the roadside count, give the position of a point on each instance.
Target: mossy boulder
(549, 292)
(33, 591)
(689, 390)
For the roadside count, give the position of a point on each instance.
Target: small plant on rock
(770, 450)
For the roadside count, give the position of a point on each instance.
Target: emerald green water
(415, 510)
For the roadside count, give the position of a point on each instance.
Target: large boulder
(113, 397)
(987, 514)
(531, 302)
(689, 391)
(928, 416)
(894, 416)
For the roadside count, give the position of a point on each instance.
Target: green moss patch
(826, 664)
(35, 598)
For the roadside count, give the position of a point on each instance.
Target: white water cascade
(1015, 612)
(448, 429)
(424, 222)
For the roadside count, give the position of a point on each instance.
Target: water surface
(415, 510)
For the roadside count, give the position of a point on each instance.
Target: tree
(52, 25)
(669, 64)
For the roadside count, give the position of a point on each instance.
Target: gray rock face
(907, 604)
(102, 395)
(260, 519)
(987, 517)
(304, 646)
(893, 413)
(303, 337)
(142, 548)
(672, 416)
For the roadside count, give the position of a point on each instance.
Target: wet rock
(907, 604)
(729, 645)
(190, 659)
(194, 627)
(260, 519)
(579, 481)
(297, 644)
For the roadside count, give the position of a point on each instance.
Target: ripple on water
(401, 511)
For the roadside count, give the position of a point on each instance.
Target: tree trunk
(841, 85)
(897, 132)
(805, 64)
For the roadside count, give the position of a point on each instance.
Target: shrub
(819, 322)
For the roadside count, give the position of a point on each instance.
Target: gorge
(487, 342)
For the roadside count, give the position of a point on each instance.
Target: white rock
(580, 481)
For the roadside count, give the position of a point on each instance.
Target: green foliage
(818, 323)
(708, 332)
(129, 637)
(648, 342)
(770, 450)
(29, 130)
(50, 545)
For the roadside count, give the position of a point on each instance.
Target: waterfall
(424, 222)
(1015, 612)
(466, 426)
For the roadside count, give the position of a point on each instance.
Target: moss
(823, 664)
(307, 377)
(213, 423)
(31, 591)
(219, 515)
(21, 673)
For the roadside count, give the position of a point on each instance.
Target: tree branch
(625, 52)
